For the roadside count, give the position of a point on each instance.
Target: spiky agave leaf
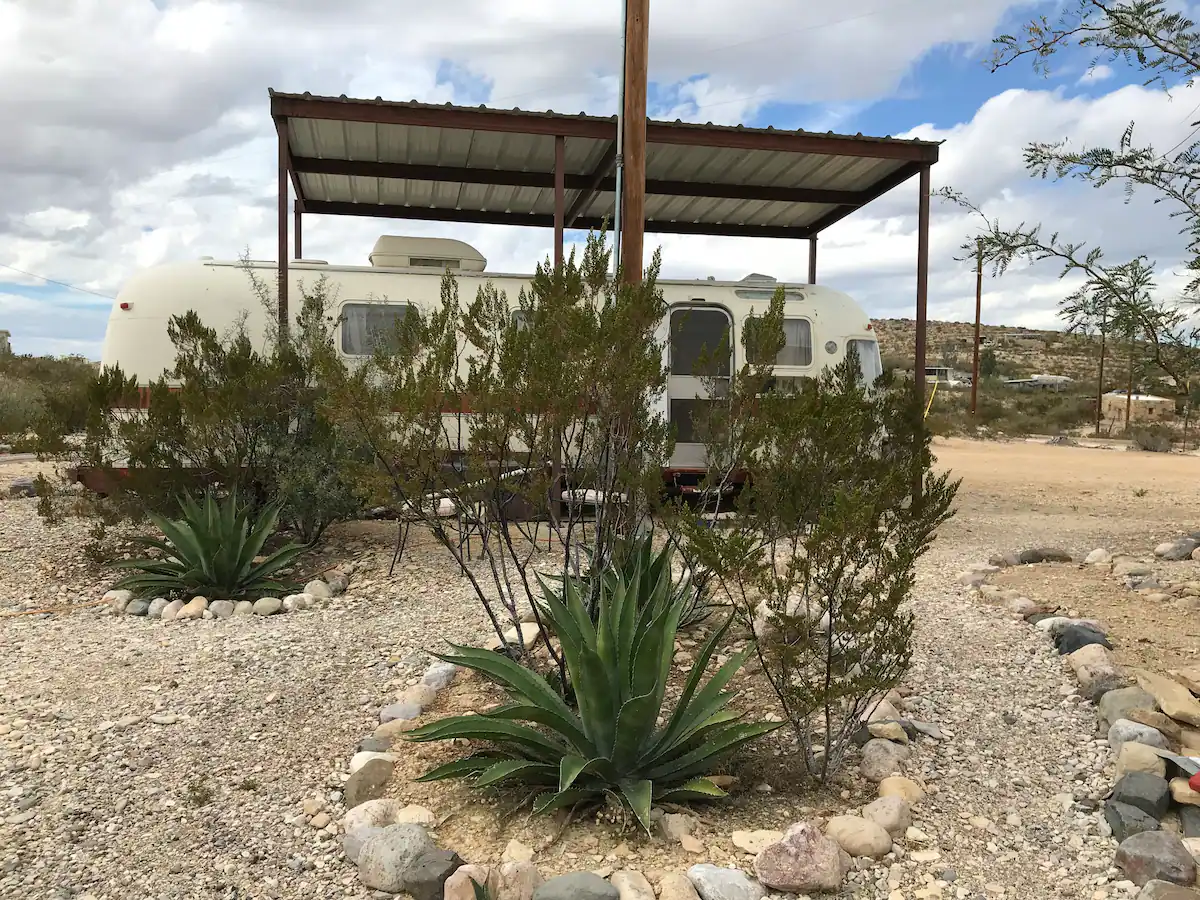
(609, 747)
(211, 551)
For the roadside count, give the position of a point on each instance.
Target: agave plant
(211, 551)
(610, 746)
(634, 560)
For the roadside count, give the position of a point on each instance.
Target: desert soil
(172, 760)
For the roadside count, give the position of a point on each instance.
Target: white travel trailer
(821, 325)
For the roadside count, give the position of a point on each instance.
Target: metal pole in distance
(637, 33)
(812, 260)
(560, 213)
(922, 311)
(281, 128)
(297, 214)
(978, 307)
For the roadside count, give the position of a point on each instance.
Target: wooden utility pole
(978, 308)
(1100, 374)
(633, 210)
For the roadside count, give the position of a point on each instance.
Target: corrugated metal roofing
(415, 160)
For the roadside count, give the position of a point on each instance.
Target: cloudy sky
(138, 132)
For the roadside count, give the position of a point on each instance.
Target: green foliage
(821, 557)
(635, 562)
(610, 746)
(988, 364)
(42, 393)
(560, 384)
(1152, 439)
(211, 552)
(253, 420)
(481, 891)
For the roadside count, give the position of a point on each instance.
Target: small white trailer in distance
(821, 325)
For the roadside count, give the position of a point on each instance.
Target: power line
(59, 283)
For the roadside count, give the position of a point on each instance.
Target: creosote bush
(820, 557)
(251, 420)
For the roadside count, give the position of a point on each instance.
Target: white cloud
(141, 131)
(1098, 72)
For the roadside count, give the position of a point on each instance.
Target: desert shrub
(39, 392)
(560, 386)
(212, 551)
(22, 404)
(820, 559)
(254, 421)
(1152, 439)
(607, 745)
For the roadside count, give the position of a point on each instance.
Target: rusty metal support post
(978, 309)
(922, 310)
(812, 260)
(281, 127)
(560, 191)
(633, 214)
(297, 213)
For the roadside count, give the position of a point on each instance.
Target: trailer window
(697, 334)
(365, 325)
(797, 341)
(869, 362)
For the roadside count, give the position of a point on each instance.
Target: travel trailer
(821, 325)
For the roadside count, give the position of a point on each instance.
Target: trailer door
(701, 348)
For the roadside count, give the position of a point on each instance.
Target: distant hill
(1020, 352)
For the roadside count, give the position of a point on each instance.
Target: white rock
(1098, 557)
(318, 590)
(360, 759)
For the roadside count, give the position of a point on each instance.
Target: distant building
(1142, 408)
(1042, 382)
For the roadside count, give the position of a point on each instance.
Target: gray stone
(221, 609)
(367, 783)
(1189, 820)
(881, 758)
(1126, 821)
(1124, 730)
(318, 589)
(157, 605)
(1131, 568)
(1164, 890)
(1115, 704)
(404, 710)
(353, 841)
(439, 675)
(1149, 793)
(1178, 550)
(267, 606)
(715, 883)
(384, 859)
(243, 608)
(374, 745)
(337, 585)
(22, 486)
(1043, 554)
(577, 886)
(425, 877)
(137, 608)
(1155, 855)
(1074, 637)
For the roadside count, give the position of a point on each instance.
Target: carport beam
(812, 260)
(922, 316)
(281, 129)
(560, 199)
(296, 214)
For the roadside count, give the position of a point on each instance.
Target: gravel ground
(139, 760)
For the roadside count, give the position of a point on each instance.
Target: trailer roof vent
(755, 276)
(403, 252)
